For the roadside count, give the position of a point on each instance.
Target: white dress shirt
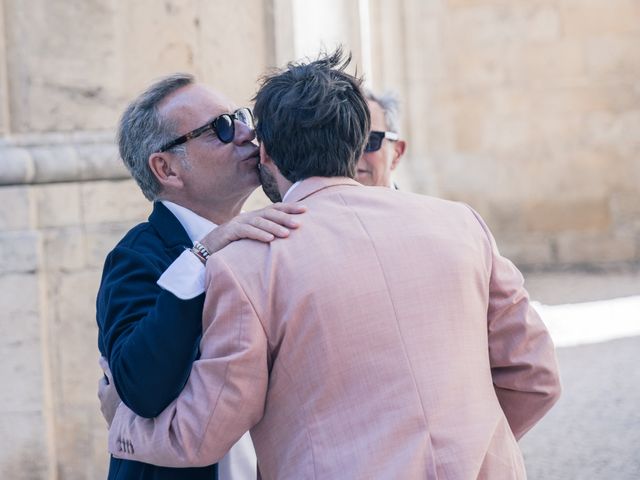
(185, 276)
(185, 279)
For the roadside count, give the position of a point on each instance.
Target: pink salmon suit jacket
(385, 338)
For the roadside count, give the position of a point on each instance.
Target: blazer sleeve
(224, 396)
(149, 336)
(521, 353)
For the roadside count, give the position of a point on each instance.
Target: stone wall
(527, 110)
(67, 70)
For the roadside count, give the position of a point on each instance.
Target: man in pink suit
(386, 338)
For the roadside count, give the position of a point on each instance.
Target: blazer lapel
(169, 228)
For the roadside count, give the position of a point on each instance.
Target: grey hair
(390, 104)
(142, 131)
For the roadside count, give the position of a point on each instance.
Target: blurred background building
(528, 110)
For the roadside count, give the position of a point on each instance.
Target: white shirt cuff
(185, 277)
(240, 463)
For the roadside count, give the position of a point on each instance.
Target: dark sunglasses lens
(244, 115)
(374, 143)
(225, 128)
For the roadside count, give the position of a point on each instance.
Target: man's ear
(265, 159)
(398, 150)
(165, 167)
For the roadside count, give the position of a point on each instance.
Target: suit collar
(195, 225)
(311, 185)
(168, 226)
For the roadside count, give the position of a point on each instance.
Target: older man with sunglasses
(384, 149)
(191, 151)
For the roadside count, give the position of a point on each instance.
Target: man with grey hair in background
(384, 148)
(191, 151)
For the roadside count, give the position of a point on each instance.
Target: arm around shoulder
(224, 396)
(149, 336)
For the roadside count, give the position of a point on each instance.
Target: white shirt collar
(195, 225)
(291, 188)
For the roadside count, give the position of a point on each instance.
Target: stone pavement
(593, 432)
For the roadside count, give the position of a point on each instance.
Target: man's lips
(362, 171)
(254, 155)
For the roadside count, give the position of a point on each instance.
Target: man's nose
(244, 133)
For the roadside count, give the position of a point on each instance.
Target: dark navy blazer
(149, 336)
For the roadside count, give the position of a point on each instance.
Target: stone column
(67, 70)
(26, 420)
(302, 29)
(4, 94)
(405, 49)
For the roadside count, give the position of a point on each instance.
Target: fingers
(280, 217)
(104, 365)
(218, 238)
(261, 233)
(272, 227)
(263, 225)
(103, 386)
(293, 208)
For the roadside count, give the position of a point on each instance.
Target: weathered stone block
(615, 58)
(21, 353)
(99, 441)
(73, 334)
(17, 210)
(625, 209)
(100, 161)
(483, 25)
(428, 62)
(475, 67)
(17, 165)
(543, 23)
(596, 248)
(220, 23)
(113, 201)
(616, 133)
(466, 3)
(64, 248)
(58, 204)
(469, 122)
(49, 159)
(58, 85)
(585, 18)
(101, 239)
(25, 452)
(531, 63)
(19, 295)
(502, 217)
(19, 251)
(527, 250)
(581, 215)
(507, 134)
(81, 447)
(4, 87)
(585, 179)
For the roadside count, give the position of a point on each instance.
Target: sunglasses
(375, 140)
(223, 126)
